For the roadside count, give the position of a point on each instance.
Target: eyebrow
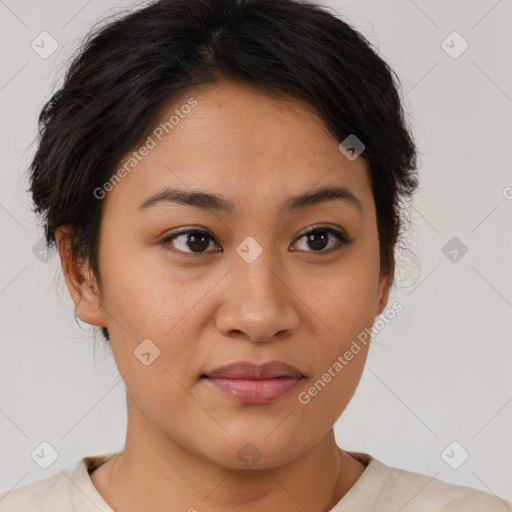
(208, 201)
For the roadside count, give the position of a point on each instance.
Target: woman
(223, 180)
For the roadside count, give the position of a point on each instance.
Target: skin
(207, 309)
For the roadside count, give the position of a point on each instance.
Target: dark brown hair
(127, 70)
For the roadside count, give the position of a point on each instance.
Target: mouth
(255, 384)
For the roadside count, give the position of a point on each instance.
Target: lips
(255, 384)
(248, 370)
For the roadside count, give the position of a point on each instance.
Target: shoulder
(426, 493)
(62, 492)
(387, 488)
(50, 494)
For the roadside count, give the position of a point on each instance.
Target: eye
(198, 241)
(318, 239)
(195, 240)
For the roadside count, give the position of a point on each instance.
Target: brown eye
(193, 241)
(319, 238)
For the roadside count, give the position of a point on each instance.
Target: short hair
(128, 70)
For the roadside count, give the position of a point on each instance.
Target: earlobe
(80, 281)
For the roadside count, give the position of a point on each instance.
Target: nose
(258, 303)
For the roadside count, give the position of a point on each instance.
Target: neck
(156, 473)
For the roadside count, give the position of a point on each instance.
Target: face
(253, 276)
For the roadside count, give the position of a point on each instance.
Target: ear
(385, 283)
(80, 281)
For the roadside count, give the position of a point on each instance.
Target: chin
(255, 453)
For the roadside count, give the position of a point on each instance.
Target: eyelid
(325, 227)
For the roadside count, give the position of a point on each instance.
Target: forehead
(241, 142)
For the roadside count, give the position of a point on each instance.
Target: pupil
(197, 241)
(314, 238)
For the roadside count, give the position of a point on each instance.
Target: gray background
(439, 372)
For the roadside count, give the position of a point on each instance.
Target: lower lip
(256, 391)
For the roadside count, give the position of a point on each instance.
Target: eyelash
(343, 240)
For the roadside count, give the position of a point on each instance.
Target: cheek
(145, 296)
(345, 306)
(344, 301)
(154, 300)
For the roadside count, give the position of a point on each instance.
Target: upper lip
(248, 370)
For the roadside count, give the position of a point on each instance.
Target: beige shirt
(380, 488)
